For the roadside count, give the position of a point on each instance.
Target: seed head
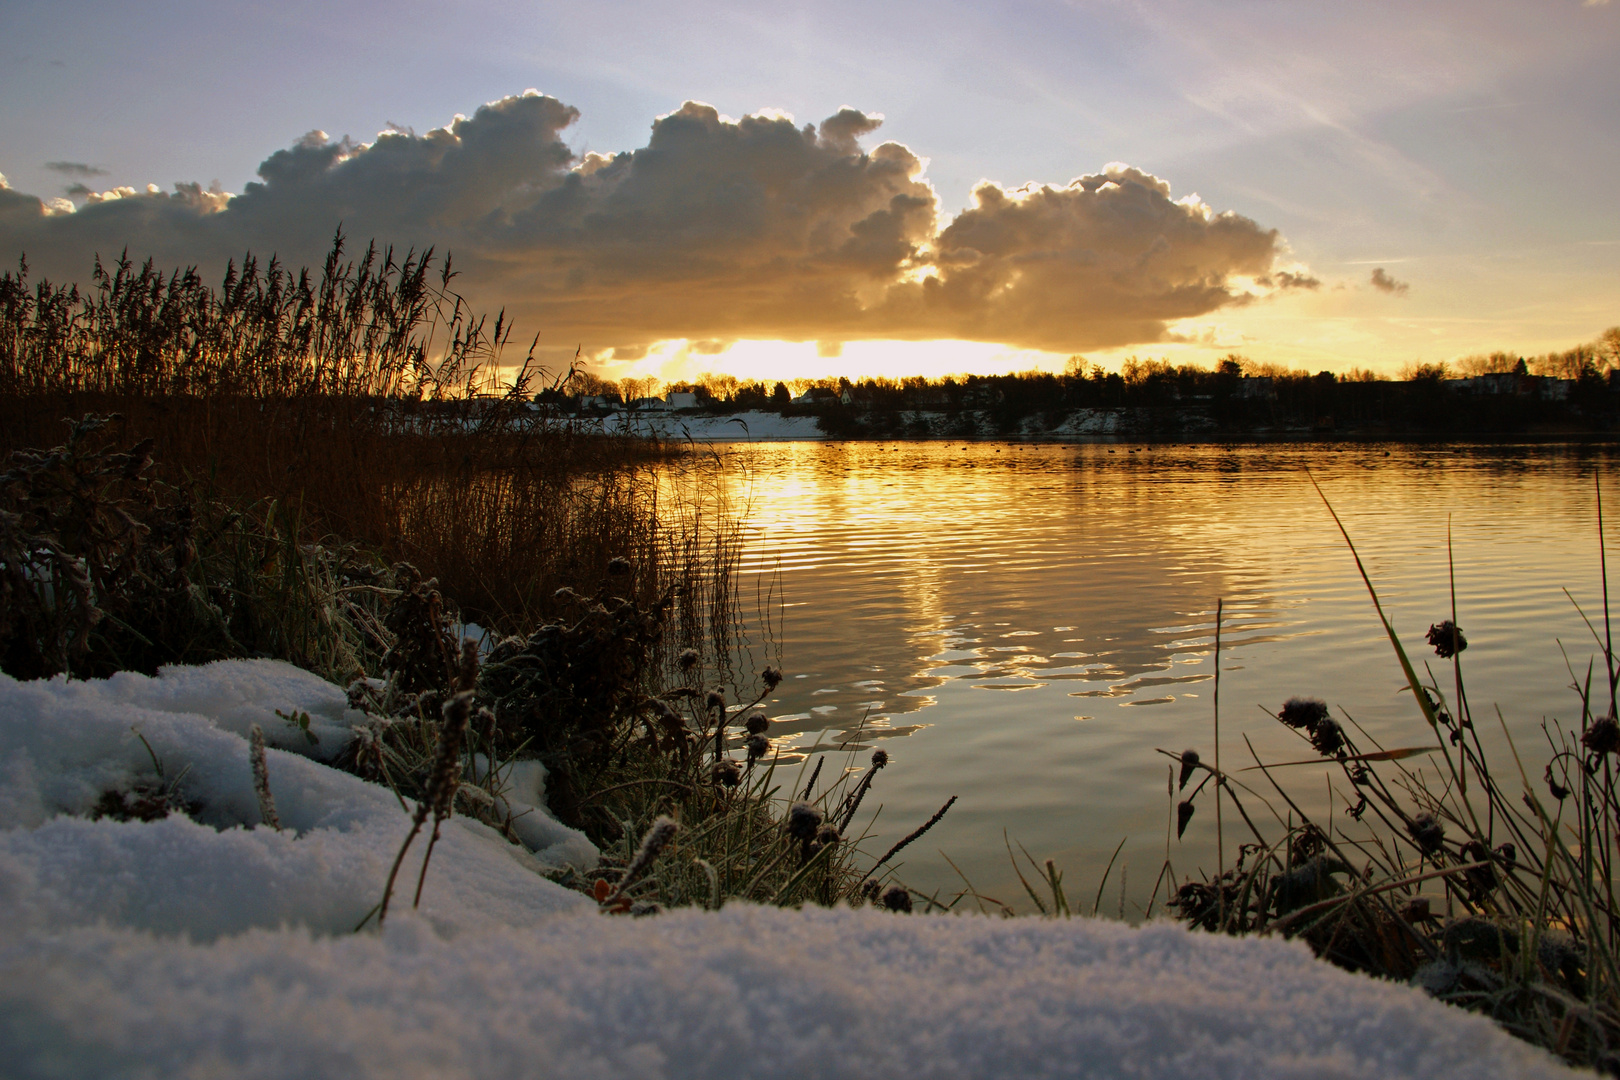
(688, 659)
(758, 724)
(1301, 712)
(896, 898)
(1184, 813)
(802, 821)
(771, 677)
(1447, 639)
(725, 773)
(1603, 736)
(880, 758)
(618, 566)
(1327, 737)
(715, 700)
(1427, 832)
(1189, 762)
(758, 746)
(828, 835)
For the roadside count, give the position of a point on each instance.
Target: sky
(836, 188)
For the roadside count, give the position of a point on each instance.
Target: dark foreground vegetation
(322, 469)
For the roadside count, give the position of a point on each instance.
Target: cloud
(75, 169)
(1386, 284)
(1289, 279)
(715, 230)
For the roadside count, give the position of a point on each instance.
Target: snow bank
(209, 948)
(63, 744)
(743, 992)
(752, 426)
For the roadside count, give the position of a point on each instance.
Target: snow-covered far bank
(220, 947)
(753, 426)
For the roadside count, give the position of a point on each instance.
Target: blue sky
(1469, 150)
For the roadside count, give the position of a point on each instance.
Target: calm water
(1022, 625)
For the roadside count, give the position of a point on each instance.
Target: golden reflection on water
(1023, 625)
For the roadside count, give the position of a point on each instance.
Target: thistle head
(802, 821)
(896, 898)
(1602, 737)
(1302, 712)
(688, 659)
(1447, 639)
(758, 746)
(771, 677)
(1327, 737)
(880, 758)
(725, 773)
(1427, 832)
(758, 724)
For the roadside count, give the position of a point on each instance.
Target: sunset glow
(1351, 187)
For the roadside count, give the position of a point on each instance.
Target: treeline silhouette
(1498, 393)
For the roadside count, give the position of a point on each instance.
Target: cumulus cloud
(715, 230)
(1386, 284)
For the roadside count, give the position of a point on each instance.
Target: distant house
(1256, 387)
(1492, 383)
(682, 399)
(598, 402)
(816, 395)
(648, 404)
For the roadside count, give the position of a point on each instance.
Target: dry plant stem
(261, 778)
(929, 824)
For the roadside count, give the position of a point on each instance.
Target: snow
(218, 947)
(752, 426)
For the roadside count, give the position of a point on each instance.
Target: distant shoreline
(1081, 426)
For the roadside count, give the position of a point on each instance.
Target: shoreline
(1084, 426)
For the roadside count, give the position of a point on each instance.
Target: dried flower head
(1189, 762)
(1427, 832)
(1184, 813)
(880, 758)
(653, 843)
(688, 659)
(715, 700)
(564, 595)
(725, 773)
(618, 566)
(1301, 712)
(802, 821)
(896, 898)
(1559, 791)
(1447, 639)
(828, 835)
(771, 677)
(758, 746)
(758, 724)
(1327, 737)
(1603, 736)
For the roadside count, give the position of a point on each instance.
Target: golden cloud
(717, 229)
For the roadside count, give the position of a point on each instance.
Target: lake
(1022, 625)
